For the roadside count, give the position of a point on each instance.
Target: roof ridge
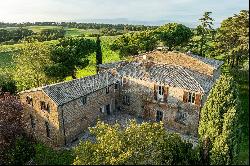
(83, 78)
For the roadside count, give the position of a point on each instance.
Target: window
(107, 90)
(191, 97)
(48, 108)
(43, 105)
(159, 116)
(29, 100)
(47, 129)
(84, 100)
(116, 85)
(160, 90)
(108, 109)
(126, 100)
(32, 120)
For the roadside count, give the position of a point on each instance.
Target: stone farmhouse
(157, 86)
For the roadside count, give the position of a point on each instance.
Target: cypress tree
(98, 53)
(219, 122)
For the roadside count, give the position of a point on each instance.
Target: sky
(157, 11)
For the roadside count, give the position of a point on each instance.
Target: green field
(7, 51)
(69, 31)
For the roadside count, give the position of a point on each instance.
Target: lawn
(107, 54)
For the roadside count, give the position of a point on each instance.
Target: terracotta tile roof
(64, 92)
(212, 62)
(172, 75)
(194, 62)
(168, 73)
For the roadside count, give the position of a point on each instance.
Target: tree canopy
(30, 64)
(205, 33)
(219, 123)
(10, 122)
(14, 35)
(173, 35)
(98, 53)
(135, 43)
(68, 55)
(147, 143)
(233, 38)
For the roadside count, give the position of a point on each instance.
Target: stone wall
(40, 117)
(177, 115)
(183, 120)
(76, 117)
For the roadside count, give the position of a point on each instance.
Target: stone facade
(170, 91)
(176, 114)
(36, 118)
(69, 120)
(77, 117)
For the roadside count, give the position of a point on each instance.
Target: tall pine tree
(98, 53)
(205, 31)
(219, 122)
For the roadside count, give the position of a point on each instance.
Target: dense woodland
(35, 58)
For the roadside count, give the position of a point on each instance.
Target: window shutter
(198, 99)
(165, 90)
(155, 91)
(185, 97)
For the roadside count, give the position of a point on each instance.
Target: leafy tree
(205, 31)
(21, 151)
(219, 122)
(10, 122)
(7, 84)
(203, 41)
(148, 143)
(47, 156)
(51, 34)
(98, 52)
(173, 35)
(233, 38)
(30, 63)
(135, 43)
(14, 35)
(68, 55)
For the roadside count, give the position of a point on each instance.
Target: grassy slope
(108, 56)
(6, 53)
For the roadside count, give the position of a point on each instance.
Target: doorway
(108, 109)
(159, 116)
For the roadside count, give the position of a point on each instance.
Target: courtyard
(123, 119)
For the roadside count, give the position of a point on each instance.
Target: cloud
(147, 10)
